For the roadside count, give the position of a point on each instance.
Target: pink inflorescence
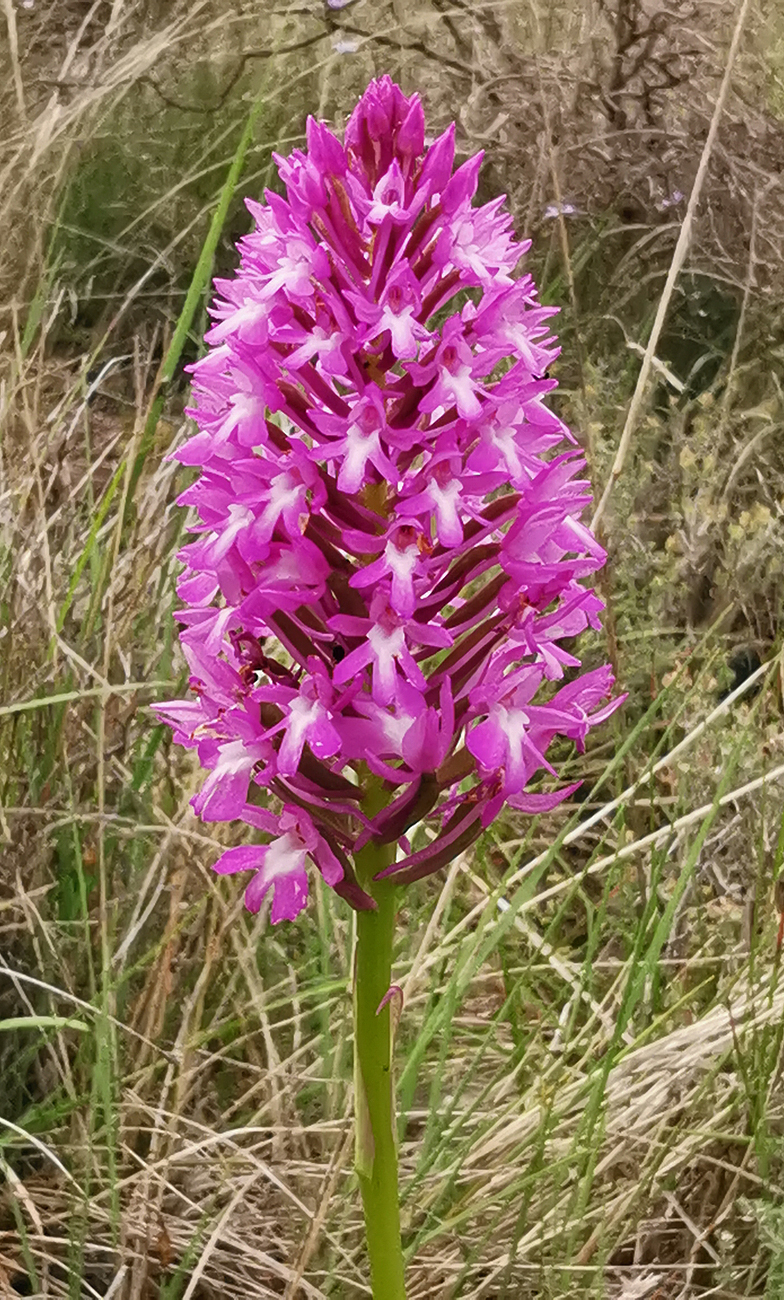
(390, 550)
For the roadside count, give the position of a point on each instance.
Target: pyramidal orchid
(386, 582)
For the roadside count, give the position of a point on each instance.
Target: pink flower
(401, 562)
(396, 313)
(307, 719)
(280, 866)
(455, 368)
(387, 554)
(386, 641)
(358, 447)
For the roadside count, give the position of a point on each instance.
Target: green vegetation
(589, 1056)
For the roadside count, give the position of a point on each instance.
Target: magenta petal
(290, 752)
(261, 818)
(222, 797)
(328, 864)
(462, 185)
(541, 803)
(353, 664)
(437, 167)
(486, 744)
(324, 738)
(256, 891)
(325, 149)
(411, 137)
(198, 590)
(430, 634)
(290, 895)
(424, 746)
(245, 857)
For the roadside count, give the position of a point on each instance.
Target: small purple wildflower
(389, 555)
(559, 210)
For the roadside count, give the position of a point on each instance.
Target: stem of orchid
(376, 1142)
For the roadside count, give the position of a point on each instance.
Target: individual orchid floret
(281, 865)
(510, 444)
(307, 719)
(358, 447)
(456, 370)
(383, 590)
(402, 564)
(389, 199)
(515, 320)
(386, 639)
(395, 315)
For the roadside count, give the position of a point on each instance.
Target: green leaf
(44, 1022)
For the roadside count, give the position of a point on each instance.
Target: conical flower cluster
(389, 555)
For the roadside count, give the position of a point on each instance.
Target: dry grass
(591, 1049)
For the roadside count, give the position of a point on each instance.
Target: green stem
(376, 1153)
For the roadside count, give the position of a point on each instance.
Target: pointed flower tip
(394, 991)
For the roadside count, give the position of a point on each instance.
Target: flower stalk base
(376, 1142)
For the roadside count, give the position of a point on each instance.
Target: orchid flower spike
(386, 578)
